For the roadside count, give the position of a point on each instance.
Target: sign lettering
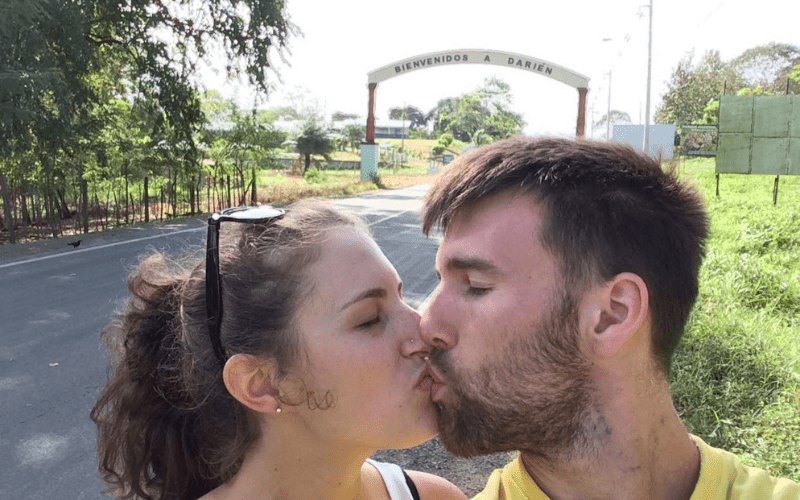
(497, 58)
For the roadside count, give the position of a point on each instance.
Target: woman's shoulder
(432, 487)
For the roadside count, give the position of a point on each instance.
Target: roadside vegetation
(273, 186)
(736, 376)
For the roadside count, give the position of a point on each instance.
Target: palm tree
(313, 140)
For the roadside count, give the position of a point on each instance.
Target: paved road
(53, 302)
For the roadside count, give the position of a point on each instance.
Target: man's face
(509, 360)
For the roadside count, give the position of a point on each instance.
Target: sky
(343, 40)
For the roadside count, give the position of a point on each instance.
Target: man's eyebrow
(471, 263)
(372, 293)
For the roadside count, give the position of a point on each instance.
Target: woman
(275, 377)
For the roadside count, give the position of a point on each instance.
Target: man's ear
(614, 312)
(251, 381)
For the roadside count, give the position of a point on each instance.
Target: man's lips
(437, 381)
(424, 380)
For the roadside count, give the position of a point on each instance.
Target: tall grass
(735, 377)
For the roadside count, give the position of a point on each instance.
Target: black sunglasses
(248, 215)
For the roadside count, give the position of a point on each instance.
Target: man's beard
(534, 396)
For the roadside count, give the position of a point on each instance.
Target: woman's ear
(251, 381)
(614, 312)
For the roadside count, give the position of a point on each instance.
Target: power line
(723, 2)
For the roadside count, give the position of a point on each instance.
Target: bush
(376, 179)
(314, 175)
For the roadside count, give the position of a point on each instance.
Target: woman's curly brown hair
(167, 427)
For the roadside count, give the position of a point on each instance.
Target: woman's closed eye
(369, 323)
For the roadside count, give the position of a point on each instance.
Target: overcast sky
(343, 40)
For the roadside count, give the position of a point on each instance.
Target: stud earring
(278, 410)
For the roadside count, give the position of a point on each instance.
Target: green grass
(735, 377)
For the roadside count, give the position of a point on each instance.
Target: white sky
(345, 39)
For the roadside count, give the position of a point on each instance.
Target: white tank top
(394, 480)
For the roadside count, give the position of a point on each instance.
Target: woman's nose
(412, 344)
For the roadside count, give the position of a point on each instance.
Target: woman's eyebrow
(372, 293)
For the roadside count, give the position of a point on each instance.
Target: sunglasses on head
(250, 215)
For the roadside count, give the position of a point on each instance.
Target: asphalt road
(55, 299)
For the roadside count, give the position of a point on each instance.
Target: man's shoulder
(511, 483)
(724, 476)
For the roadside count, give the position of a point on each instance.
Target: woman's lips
(436, 382)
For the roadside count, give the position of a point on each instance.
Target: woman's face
(363, 356)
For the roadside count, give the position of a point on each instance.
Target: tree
(692, 87)
(615, 116)
(795, 73)
(487, 109)
(443, 143)
(412, 114)
(313, 140)
(353, 134)
(340, 116)
(768, 66)
(64, 63)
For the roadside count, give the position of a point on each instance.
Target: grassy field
(277, 187)
(735, 378)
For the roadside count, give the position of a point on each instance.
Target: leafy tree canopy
(767, 66)
(615, 116)
(693, 88)
(50, 46)
(488, 110)
(313, 140)
(340, 116)
(412, 114)
(353, 134)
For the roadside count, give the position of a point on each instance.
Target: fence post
(7, 208)
(253, 196)
(85, 205)
(146, 201)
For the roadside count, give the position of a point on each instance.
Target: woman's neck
(291, 466)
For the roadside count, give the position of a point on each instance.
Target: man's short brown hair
(607, 209)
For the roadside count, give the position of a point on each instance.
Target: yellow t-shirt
(722, 477)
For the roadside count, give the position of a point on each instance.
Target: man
(567, 272)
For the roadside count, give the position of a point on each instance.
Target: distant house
(391, 129)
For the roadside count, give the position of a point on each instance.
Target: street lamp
(646, 146)
(608, 115)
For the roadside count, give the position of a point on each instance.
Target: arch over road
(477, 56)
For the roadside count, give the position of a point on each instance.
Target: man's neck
(648, 454)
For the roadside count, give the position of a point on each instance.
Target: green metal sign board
(735, 114)
(793, 167)
(771, 116)
(759, 135)
(755, 135)
(768, 155)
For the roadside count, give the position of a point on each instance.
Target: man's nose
(436, 327)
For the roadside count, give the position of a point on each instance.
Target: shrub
(314, 175)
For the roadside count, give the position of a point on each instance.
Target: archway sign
(369, 150)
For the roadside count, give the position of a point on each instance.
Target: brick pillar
(581, 126)
(370, 139)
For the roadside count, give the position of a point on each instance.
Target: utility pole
(608, 115)
(646, 147)
(403, 136)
